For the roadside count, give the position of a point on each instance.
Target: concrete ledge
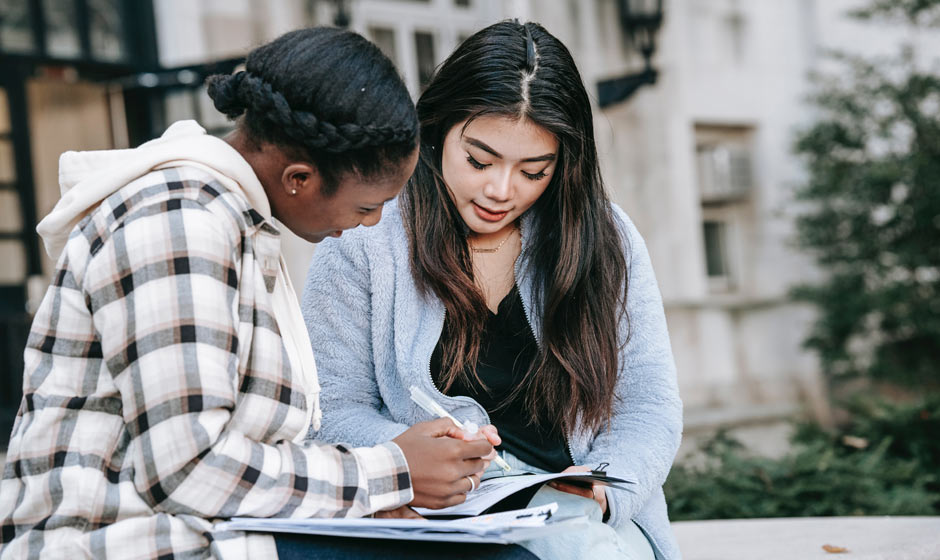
(866, 538)
(710, 419)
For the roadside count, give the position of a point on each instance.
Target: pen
(431, 406)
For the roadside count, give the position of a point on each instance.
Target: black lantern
(341, 18)
(640, 21)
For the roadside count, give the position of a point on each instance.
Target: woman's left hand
(596, 491)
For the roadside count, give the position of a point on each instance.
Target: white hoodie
(88, 178)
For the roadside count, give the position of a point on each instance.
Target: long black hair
(325, 94)
(576, 255)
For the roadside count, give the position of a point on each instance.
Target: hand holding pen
(443, 465)
(445, 459)
(470, 429)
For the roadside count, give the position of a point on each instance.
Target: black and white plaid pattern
(158, 395)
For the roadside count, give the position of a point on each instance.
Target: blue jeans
(599, 540)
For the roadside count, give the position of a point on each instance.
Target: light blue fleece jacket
(373, 334)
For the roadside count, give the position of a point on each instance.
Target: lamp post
(640, 21)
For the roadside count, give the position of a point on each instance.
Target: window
(12, 252)
(61, 28)
(724, 171)
(16, 33)
(424, 51)
(723, 158)
(384, 38)
(73, 29)
(720, 237)
(716, 249)
(724, 164)
(105, 30)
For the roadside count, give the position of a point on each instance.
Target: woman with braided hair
(506, 284)
(169, 379)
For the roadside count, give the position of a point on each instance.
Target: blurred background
(781, 159)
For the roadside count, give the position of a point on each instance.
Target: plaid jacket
(158, 395)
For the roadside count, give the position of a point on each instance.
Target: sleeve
(163, 291)
(646, 428)
(337, 307)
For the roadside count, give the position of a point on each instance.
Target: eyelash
(476, 164)
(481, 166)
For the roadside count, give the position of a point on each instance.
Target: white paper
(494, 489)
(504, 527)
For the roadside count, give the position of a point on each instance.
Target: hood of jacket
(88, 178)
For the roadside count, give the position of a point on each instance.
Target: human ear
(299, 177)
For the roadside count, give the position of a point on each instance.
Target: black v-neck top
(507, 350)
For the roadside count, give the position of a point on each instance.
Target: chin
(478, 225)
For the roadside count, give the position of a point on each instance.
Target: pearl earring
(293, 191)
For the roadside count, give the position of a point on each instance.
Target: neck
(264, 161)
(247, 148)
(492, 242)
(487, 239)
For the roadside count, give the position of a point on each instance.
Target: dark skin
(486, 433)
(295, 190)
(440, 456)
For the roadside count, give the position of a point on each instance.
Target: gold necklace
(494, 249)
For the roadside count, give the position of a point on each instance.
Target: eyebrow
(386, 201)
(376, 205)
(485, 148)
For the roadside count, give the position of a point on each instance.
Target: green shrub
(885, 462)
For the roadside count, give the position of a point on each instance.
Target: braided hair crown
(326, 91)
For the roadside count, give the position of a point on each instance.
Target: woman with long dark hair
(505, 283)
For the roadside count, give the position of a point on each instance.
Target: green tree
(873, 208)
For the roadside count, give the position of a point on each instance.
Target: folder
(503, 528)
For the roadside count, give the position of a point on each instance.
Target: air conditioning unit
(726, 173)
